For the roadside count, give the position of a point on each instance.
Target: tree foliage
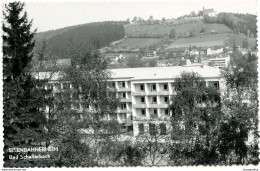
(89, 36)
(23, 95)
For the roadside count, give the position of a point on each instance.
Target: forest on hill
(88, 36)
(243, 23)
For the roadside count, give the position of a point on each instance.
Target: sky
(53, 15)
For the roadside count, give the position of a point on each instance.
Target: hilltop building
(209, 12)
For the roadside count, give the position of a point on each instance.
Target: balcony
(138, 93)
(122, 120)
(152, 93)
(122, 89)
(163, 93)
(139, 105)
(125, 100)
(124, 110)
(157, 105)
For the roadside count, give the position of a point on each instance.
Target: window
(123, 116)
(141, 129)
(166, 99)
(152, 129)
(113, 116)
(86, 105)
(123, 106)
(214, 83)
(154, 100)
(113, 84)
(131, 117)
(153, 87)
(142, 100)
(162, 129)
(49, 86)
(153, 112)
(121, 84)
(123, 95)
(142, 87)
(165, 86)
(166, 112)
(143, 112)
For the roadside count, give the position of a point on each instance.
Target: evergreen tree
(23, 96)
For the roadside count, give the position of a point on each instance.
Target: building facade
(145, 95)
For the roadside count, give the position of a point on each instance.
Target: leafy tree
(24, 96)
(152, 63)
(240, 106)
(203, 30)
(90, 102)
(134, 62)
(195, 116)
(173, 34)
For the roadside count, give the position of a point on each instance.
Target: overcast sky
(49, 16)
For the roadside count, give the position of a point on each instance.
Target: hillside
(138, 30)
(88, 36)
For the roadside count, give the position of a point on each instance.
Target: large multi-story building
(221, 63)
(144, 94)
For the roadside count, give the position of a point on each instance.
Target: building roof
(207, 11)
(164, 72)
(147, 73)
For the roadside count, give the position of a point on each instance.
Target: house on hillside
(203, 52)
(194, 52)
(209, 12)
(150, 54)
(220, 63)
(243, 50)
(214, 52)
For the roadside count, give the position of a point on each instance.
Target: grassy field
(134, 43)
(200, 41)
(238, 40)
(136, 29)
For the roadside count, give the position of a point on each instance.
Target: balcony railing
(152, 93)
(163, 93)
(122, 89)
(138, 93)
(124, 110)
(157, 105)
(139, 105)
(144, 118)
(125, 100)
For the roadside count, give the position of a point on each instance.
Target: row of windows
(121, 84)
(152, 87)
(64, 86)
(152, 129)
(154, 112)
(153, 100)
